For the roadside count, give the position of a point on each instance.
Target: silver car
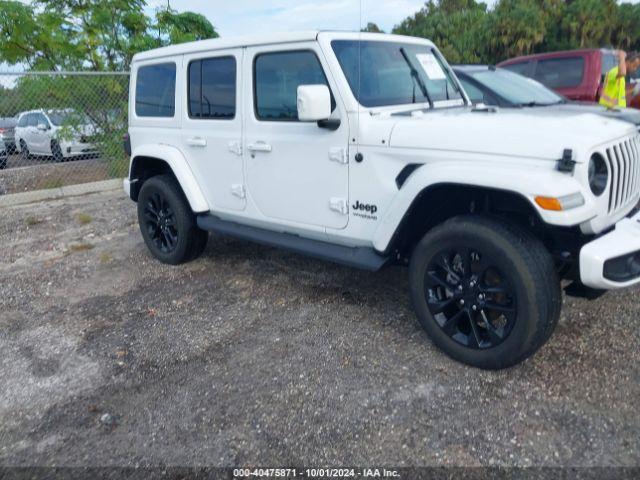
(501, 88)
(7, 132)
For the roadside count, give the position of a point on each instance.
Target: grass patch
(52, 183)
(31, 220)
(105, 258)
(84, 218)
(80, 247)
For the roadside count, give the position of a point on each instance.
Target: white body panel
(213, 146)
(296, 177)
(289, 173)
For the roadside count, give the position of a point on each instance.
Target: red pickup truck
(576, 74)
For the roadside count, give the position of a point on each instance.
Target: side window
(33, 120)
(23, 122)
(212, 88)
(560, 72)
(523, 68)
(156, 90)
(277, 77)
(42, 120)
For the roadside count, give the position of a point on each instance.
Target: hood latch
(567, 163)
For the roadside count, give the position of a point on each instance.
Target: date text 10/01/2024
(315, 473)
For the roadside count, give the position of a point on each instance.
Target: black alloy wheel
(168, 226)
(485, 290)
(160, 223)
(469, 297)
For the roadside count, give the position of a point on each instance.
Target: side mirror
(314, 103)
(42, 127)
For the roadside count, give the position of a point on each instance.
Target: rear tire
(485, 291)
(167, 223)
(24, 150)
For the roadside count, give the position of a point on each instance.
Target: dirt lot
(252, 355)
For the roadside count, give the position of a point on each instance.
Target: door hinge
(235, 147)
(338, 155)
(339, 205)
(238, 190)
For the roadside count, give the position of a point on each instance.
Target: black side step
(358, 257)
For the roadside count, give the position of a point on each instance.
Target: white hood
(532, 133)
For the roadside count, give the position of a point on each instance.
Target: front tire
(56, 151)
(167, 223)
(485, 291)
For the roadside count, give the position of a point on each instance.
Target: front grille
(624, 164)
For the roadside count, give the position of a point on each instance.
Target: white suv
(61, 134)
(363, 149)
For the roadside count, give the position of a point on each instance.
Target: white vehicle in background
(61, 134)
(364, 149)
(3, 154)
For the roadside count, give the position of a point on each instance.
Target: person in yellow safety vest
(614, 93)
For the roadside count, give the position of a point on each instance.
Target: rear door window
(565, 72)
(156, 90)
(212, 88)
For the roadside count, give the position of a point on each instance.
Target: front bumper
(70, 149)
(613, 260)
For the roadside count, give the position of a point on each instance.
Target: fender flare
(527, 182)
(180, 168)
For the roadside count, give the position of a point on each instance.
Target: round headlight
(598, 174)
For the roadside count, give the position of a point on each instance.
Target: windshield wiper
(538, 104)
(416, 78)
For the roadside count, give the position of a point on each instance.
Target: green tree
(516, 27)
(457, 27)
(590, 23)
(372, 27)
(626, 33)
(90, 35)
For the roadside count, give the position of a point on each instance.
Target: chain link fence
(61, 129)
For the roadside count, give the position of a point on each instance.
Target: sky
(239, 17)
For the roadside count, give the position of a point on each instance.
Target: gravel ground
(39, 172)
(255, 356)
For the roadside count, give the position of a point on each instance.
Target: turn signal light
(559, 204)
(549, 203)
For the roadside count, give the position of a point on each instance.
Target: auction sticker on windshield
(431, 66)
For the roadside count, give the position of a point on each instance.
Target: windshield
(393, 73)
(516, 88)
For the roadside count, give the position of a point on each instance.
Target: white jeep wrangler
(363, 149)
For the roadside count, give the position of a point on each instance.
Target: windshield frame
(462, 101)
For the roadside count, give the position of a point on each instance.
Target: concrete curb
(61, 192)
